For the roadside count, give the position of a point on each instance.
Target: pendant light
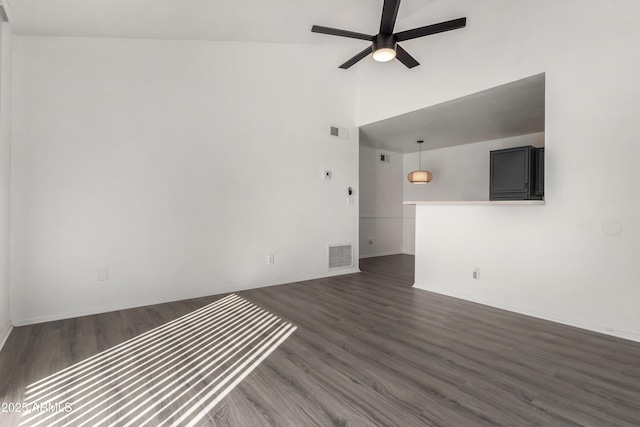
(420, 176)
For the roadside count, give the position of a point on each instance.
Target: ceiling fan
(384, 45)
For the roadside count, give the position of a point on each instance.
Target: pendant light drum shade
(420, 176)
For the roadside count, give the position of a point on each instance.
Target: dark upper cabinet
(515, 174)
(539, 190)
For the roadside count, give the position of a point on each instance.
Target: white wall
(409, 229)
(380, 203)
(554, 261)
(459, 173)
(176, 165)
(5, 177)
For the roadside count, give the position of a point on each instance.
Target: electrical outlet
(271, 259)
(476, 273)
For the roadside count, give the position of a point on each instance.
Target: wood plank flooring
(370, 350)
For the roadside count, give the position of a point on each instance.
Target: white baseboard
(178, 297)
(5, 334)
(97, 310)
(602, 329)
(379, 254)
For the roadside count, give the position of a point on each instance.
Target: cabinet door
(539, 191)
(510, 170)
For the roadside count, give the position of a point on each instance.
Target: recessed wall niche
(459, 134)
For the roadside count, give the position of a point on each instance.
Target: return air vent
(339, 132)
(340, 256)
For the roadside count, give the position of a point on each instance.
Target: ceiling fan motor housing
(384, 47)
(384, 41)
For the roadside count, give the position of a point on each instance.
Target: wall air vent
(340, 256)
(339, 132)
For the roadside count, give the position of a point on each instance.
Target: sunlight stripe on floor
(190, 363)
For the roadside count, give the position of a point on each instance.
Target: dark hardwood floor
(370, 350)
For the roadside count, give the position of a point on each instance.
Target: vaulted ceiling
(520, 107)
(278, 21)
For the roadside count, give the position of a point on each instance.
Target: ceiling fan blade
(404, 57)
(340, 33)
(431, 29)
(389, 15)
(356, 58)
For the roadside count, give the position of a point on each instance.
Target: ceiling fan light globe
(384, 54)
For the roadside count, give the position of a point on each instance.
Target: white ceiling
(279, 21)
(512, 109)
(508, 110)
